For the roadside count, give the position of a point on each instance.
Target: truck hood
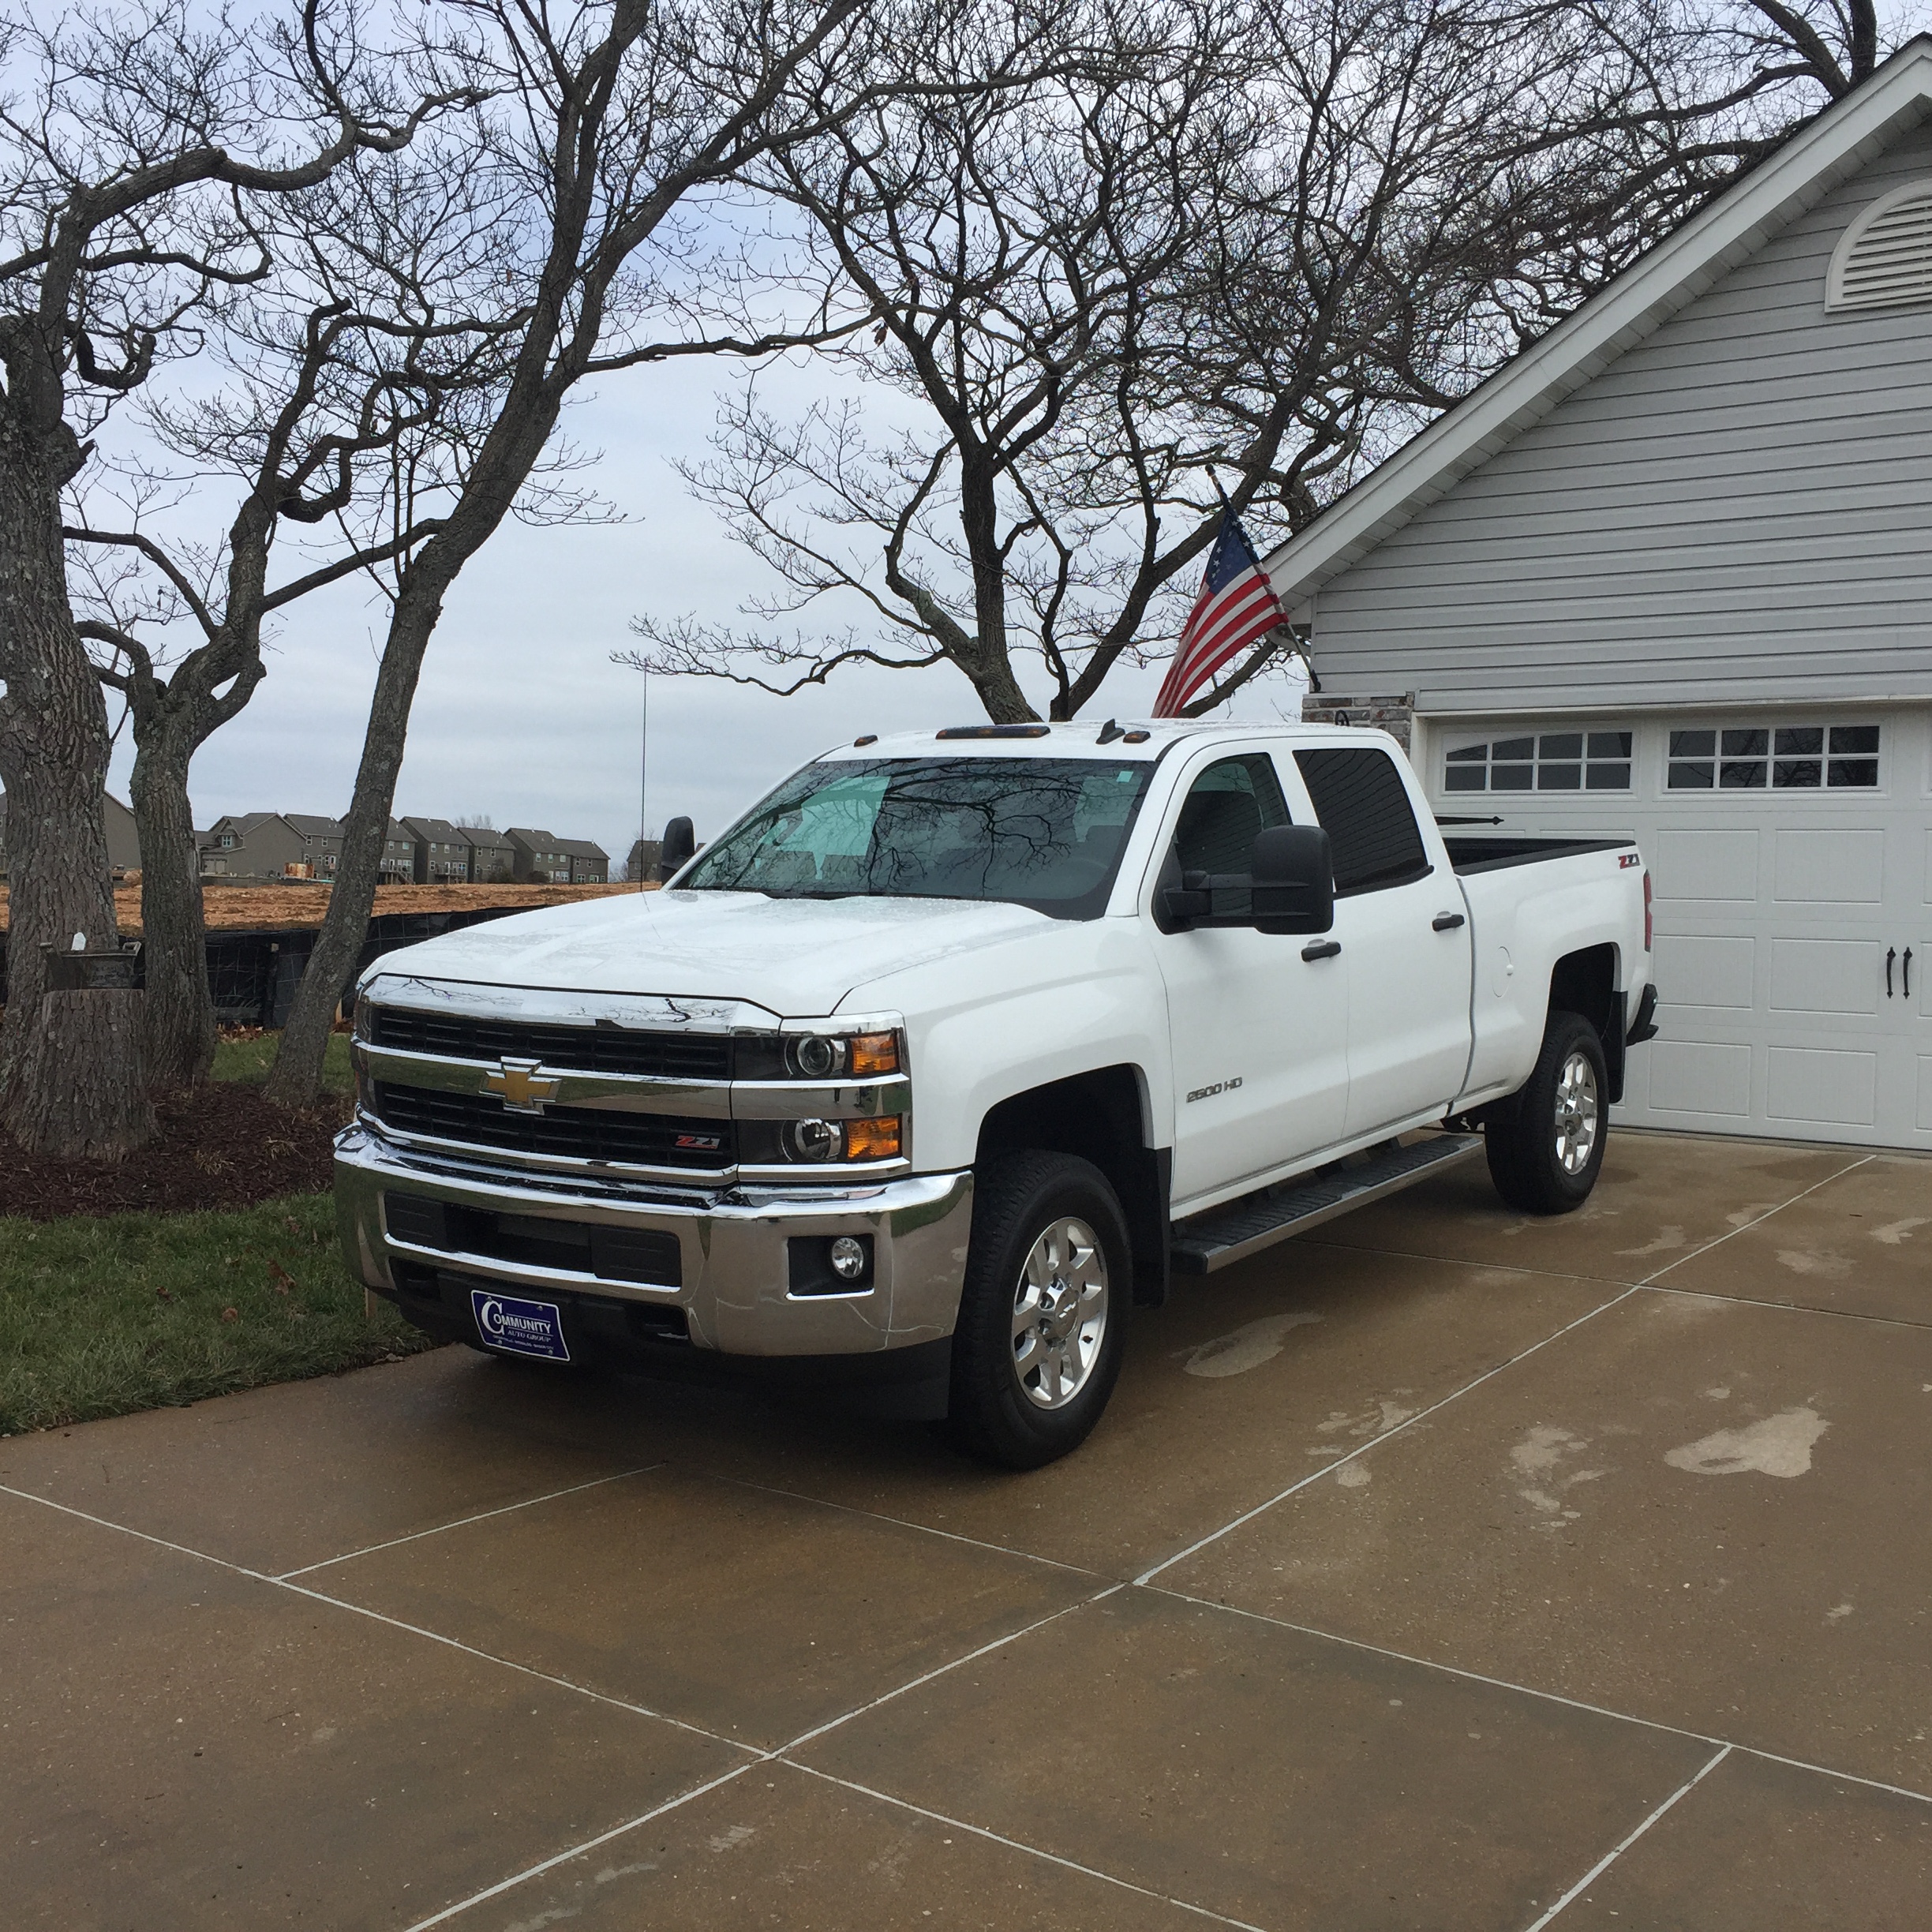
(798, 958)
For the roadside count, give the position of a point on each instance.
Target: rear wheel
(1041, 1320)
(1545, 1144)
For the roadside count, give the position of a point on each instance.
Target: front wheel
(1546, 1144)
(1043, 1313)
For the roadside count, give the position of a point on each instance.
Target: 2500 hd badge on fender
(954, 1048)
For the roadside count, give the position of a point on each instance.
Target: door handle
(1321, 949)
(1906, 964)
(1891, 954)
(1445, 922)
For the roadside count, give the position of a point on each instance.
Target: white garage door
(1792, 855)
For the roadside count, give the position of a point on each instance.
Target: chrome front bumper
(735, 1270)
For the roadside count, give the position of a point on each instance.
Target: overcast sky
(522, 716)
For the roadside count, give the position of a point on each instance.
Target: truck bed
(1474, 854)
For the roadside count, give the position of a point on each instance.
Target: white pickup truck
(958, 1045)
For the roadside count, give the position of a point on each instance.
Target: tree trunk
(66, 1086)
(178, 1026)
(295, 1080)
(74, 1078)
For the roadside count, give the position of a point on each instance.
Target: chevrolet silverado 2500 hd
(957, 1045)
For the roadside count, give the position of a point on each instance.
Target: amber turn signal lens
(873, 1140)
(874, 1053)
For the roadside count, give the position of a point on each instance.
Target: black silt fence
(252, 974)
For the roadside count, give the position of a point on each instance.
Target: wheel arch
(1100, 1116)
(1584, 982)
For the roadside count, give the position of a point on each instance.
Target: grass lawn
(250, 1060)
(100, 1316)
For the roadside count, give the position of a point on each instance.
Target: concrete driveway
(1443, 1570)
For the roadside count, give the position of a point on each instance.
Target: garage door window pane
(1801, 757)
(1553, 762)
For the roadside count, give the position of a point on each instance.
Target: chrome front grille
(561, 1132)
(588, 1050)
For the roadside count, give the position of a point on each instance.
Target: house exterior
(540, 857)
(590, 863)
(1669, 573)
(245, 847)
(398, 857)
(322, 840)
(493, 859)
(439, 852)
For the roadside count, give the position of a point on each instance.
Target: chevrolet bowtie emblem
(524, 1088)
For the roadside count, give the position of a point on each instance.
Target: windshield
(1044, 832)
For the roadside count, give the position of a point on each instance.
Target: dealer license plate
(522, 1327)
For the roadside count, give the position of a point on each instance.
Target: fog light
(813, 1139)
(848, 1258)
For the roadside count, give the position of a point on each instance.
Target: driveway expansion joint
(1616, 1852)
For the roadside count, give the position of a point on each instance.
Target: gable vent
(1886, 257)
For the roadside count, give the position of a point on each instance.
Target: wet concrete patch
(782, 1847)
(1693, 1511)
(1760, 1845)
(1659, 1198)
(1280, 1780)
(751, 1613)
(186, 1749)
(282, 1477)
(1307, 1354)
(1861, 1245)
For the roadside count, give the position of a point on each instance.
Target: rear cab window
(1360, 802)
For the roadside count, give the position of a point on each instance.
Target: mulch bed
(221, 1146)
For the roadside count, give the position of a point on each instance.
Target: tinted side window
(1232, 800)
(1360, 802)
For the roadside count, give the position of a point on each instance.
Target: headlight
(825, 1056)
(818, 1058)
(813, 1139)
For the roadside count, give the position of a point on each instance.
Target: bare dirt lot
(1440, 1570)
(287, 907)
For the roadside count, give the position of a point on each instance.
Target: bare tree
(1224, 262)
(626, 125)
(137, 164)
(349, 391)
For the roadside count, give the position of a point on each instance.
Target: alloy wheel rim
(1060, 1313)
(1577, 1114)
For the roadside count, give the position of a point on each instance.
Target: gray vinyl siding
(1737, 508)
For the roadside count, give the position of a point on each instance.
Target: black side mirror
(680, 842)
(1294, 873)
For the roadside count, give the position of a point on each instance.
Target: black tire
(1001, 1411)
(1533, 1138)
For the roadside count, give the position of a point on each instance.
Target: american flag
(1236, 605)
